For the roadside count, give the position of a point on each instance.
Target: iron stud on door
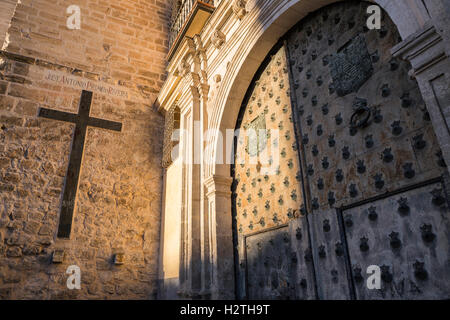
(364, 244)
(357, 275)
(325, 163)
(395, 242)
(403, 207)
(373, 215)
(353, 191)
(419, 270)
(406, 100)
(427, 233)
(396, 128)
(386, 274)
(377, 116)
(379, 182)
(393, 64)
(326, 226)
(348, 220)
(361, 167)
(408, 170)
(438, 197)
(387, 155)
(299, 234)
(339, 249)
(338, 119)
(331, 198)
(322, 253)
(419, 142)
(339, 175)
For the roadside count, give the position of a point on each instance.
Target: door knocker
(360, 117)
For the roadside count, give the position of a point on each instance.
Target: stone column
(221, 237)
(425, 49)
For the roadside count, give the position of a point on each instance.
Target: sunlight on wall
(172, 221)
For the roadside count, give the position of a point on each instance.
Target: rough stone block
(14, 252)
(58, 256)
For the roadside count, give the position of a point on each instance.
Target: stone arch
(262, 31)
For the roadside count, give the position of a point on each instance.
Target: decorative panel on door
(267, 185)
(329, 253)
(270, 265)
(407, 235)
(342, 72)
(267, 199)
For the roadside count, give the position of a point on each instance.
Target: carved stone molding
(184, 68)
(239, 8)
(172, 122)
(217, 185)
(217, 79)
(423, 49)
(218, 39)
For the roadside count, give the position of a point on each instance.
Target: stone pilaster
(221, 237)
(205, 293)
(426, 51)
(191, 244)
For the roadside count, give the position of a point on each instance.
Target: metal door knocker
(360, 117)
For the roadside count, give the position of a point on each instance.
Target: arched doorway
(367, 168)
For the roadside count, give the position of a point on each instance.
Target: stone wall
(6, 12)
(119, 54)
(169, 270)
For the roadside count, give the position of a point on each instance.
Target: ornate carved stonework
(239, 8)
(172, 122)
(214, 87)
(183, 68)
(218, 39)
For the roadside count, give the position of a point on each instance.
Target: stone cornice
(168, 93)
(423, 49)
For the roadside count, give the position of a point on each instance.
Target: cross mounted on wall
(81, 120)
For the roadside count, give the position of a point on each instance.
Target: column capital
(203, 89)
(218, 185)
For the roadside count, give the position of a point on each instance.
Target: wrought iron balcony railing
(190, 19)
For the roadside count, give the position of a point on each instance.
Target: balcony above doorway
(189, 21)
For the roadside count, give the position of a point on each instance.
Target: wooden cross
(82, 120)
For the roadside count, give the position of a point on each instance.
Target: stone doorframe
(207, 257)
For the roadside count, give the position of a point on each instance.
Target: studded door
(368, 149)
(406, 235)
(267, 190)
